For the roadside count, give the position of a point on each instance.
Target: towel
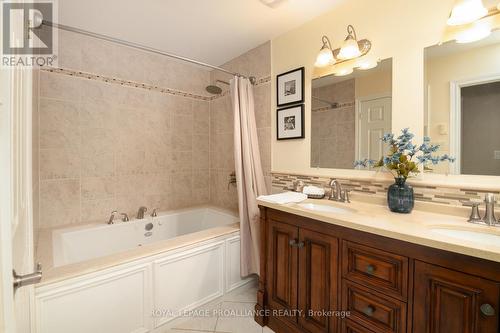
(283, 198)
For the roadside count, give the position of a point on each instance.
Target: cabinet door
(282, 268)
(318, 277)
(448, 301)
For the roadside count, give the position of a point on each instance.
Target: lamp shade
(350, 49)
(324, 58)
(467, 11)
(476, 32)
(364, 63)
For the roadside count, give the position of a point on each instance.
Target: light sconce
(366, 63)
(478, 31)
(467, 11)
(325, 56)
(351, 48)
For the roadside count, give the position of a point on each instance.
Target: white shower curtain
(249, 174)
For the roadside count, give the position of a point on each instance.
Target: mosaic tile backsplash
(434, 194)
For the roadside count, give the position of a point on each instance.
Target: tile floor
(228, 314)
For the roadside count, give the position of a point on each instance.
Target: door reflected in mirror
(462, 109)
(349, 116)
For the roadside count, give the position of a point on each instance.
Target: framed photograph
(290, 87)
(290, 122)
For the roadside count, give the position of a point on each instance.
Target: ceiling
(212, 31)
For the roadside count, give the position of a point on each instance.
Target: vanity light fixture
(350, 48)
(325, 56)
(467, 11)
(343, 71)
(478, 31)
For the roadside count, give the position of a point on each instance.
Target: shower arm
(140, 47)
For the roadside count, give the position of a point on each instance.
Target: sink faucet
(338, 193)
(489, 217)
(112, 217)
(140, 213)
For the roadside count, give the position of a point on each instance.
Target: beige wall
(255, 62)
(397, 29)
(377, 83)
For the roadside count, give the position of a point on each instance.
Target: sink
(469, 235)
(325, 208)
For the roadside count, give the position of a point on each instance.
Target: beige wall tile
(58, 123)
(59, 202)
(60, 163)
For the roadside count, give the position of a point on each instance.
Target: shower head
(214, 89)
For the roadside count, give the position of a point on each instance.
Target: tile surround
(435, 194)
(119, 140)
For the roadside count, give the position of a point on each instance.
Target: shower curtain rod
(141, 47)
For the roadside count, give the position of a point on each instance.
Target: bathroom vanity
(389, 272)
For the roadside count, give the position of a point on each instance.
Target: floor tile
(237, 317)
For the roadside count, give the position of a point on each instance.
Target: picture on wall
(290, 87)
(290, 122)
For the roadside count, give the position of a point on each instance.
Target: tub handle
(27, 279)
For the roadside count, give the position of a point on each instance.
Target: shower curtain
(249, 174)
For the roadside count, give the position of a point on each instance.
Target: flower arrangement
(404, 157)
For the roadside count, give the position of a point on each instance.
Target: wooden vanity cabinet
(310, 268)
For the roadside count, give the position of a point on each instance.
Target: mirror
(462, 109)
(349, 116)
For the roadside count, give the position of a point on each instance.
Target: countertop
(418, 227)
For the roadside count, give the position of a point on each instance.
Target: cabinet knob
(370, 269)
(487, 310)
(293, 243)
(369, 310)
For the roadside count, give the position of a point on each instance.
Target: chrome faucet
(338, 193)
(489, 216)
(140, 213)
(112, 217)
(154, 213)
(125, 217)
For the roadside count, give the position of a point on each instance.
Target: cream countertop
(53, 274)
(414, 228)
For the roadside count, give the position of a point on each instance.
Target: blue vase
(400, 196)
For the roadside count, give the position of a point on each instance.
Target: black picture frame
(301, 123)
(302, 89)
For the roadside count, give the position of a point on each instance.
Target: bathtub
(119, 277)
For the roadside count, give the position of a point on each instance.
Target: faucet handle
(125, 217)
(346, 196)
(154, 213)
(475, 217)
(112, 217)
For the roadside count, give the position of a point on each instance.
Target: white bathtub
(77, 244)
(114, 278)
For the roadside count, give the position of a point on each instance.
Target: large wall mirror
(349, 116)
(462, 109)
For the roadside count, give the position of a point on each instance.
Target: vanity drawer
(349, 326)
(384, 271)
(372, 309)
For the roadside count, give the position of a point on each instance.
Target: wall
(406, 29)
(120, 128)
(256, 62)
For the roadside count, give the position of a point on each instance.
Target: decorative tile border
(335, 107)
(139, 85)
(435, 194)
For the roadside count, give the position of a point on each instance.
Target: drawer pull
(294, 243)
(369, 310)
(487, 310)
(370, 269)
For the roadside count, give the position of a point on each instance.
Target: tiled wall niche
(449, 196)
(117, 137)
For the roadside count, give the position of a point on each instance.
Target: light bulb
(467, 11)
(350, 49)
(473, 34)
(324, 58)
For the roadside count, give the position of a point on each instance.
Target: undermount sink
(325, 208)
(469, 235)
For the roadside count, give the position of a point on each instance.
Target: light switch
(496, 154)
(443, 129)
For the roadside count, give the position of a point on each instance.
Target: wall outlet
(496, 154)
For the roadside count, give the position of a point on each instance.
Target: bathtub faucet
(140, 213)
(112, 217)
